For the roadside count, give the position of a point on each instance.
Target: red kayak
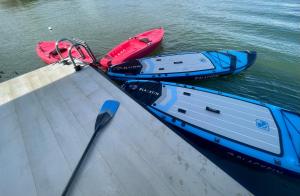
(136, 47)
(47, 52)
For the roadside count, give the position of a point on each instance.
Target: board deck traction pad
(193, 62)
(181, 65)
(234, 119)
(242, 123)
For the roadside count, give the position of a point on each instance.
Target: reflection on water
(270, 27)
(15, 3)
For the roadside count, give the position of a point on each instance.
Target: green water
(271, 27)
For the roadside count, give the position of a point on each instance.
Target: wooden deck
(47, 117)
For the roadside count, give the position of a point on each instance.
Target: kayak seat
(54, 52)
(42, 49)
(145, 40)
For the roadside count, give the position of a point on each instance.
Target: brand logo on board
(151, 92)
(118, 68)
(261, 124)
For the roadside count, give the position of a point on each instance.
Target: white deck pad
(176, 63)
(238, 120)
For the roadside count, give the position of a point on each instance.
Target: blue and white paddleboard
(262, 131)
(199, 65)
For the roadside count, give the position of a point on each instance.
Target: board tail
(251, 58)
(292, 122)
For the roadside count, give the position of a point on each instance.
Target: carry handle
(212, 110)
(177, 62)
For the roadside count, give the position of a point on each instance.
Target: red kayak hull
(137, 47)
(47, 52)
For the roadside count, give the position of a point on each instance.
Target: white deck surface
(47, 117)
(237, 119)
(188, 63)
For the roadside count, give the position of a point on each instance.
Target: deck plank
(14, 165)
(39, 141)
(183, 155)
(58, 111)
(138, 184)
(7, 107)
(49, 116)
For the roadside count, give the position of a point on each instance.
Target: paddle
(107, 111)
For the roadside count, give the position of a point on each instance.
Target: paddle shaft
(101, 121)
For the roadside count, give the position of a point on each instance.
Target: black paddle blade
(107, 111)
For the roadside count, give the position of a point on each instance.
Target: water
(271, 27)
